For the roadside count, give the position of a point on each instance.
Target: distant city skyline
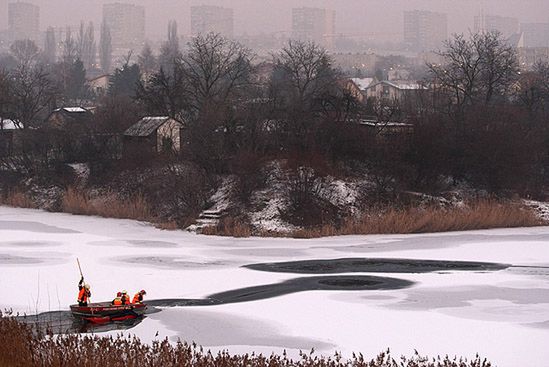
(211, 18)
(314, 24)
(23, 21)
(360, 19)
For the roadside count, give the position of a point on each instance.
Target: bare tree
(304, 73)
(216, 70)
(169, 52)
(302, 83)
(86, 45)
(25, 53)
(105, 48)
(475, 70)
(32, 92)
(164, 94)
(70, 48)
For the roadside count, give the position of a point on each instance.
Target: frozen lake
(461, 293)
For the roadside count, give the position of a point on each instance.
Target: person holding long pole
(83, 289)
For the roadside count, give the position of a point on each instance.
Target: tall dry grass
(109, 206)
(17, 199)
(229, 227)
(483, 214)
(22, 347)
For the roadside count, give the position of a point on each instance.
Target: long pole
(79, 268)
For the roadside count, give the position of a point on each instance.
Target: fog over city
(356, 18)
(272, 177)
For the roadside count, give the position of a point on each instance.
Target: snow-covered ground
(502, 315)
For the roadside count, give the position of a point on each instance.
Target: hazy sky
(354, 17)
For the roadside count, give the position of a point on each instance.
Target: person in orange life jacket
(138, 298)
(125, 298)
(83, 293)
(118, 300)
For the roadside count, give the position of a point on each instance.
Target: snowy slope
(503, 315)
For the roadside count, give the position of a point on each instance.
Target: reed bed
(20, 346)
(230, 227)
(17, 199)
(483, 214)
(109, 206)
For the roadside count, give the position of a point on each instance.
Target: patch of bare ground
(22, 347)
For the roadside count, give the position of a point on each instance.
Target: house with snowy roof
(153, 134)
(70, 118)
(394, 90)
(9, 131)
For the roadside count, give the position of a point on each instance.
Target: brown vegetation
(230, 227)
(17, 199)
(483, 214)
(21, 347)
(77, 202)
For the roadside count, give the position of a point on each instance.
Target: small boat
(104, 312)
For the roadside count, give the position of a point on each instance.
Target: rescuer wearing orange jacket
(125, 298)
(138, 298)
(83, 293)
(118, 300)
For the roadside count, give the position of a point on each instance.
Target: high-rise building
(507, 26)
(535, 34)
(425, 30)
(214, 19)
(23, 21)
(126, 23)
(314, 24)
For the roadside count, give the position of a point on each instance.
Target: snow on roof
(74, 109)
(9, 125)
(146, 126)
(406, 84)
(362, 83)
(375, 123)
(401, 84)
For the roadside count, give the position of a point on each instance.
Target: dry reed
(17, 199)
(229, 227)
(483, 214)
(22, 347)
(110, 206)
(167, 226)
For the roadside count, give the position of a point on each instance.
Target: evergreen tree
(75, 88)
(146, 60)
(125, 80)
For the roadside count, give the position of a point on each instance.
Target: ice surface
(501, 314)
